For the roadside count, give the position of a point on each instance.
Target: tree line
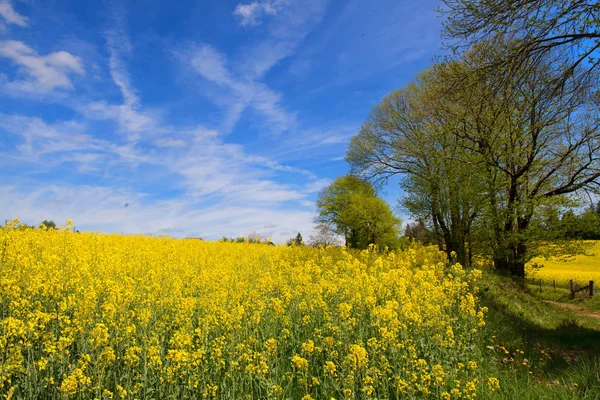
(494, 143)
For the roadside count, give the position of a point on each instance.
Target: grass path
(559, 340)
(578, 310)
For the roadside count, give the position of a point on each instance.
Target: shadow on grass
(520, 320)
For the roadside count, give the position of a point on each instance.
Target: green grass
(562, 349)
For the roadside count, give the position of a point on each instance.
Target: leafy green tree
(535, 144)
(585, 226)
(350, 206)
(411, 133)
(484, 154)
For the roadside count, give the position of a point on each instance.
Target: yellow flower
(299, 362)
(330, 368)
(358, 356)
(271, 346)
(308, 347)
(493, 384)
(191, 316)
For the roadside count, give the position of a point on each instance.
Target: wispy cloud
(177, 168)
(251, 13)
(63, 142)
(170, 142)
(244, 79)
(128, 115)
(98, 207)
(240, 93)
(8, 13)
(43, 73)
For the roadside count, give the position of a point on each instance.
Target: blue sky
(193, 118)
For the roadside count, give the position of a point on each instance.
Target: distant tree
(251, 238)
(585, 226)
(417, 231)
(323, 235)
(25, 227)
(48, 224)
(295, 241)
(351, 207)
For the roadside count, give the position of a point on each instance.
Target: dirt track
(578, 310)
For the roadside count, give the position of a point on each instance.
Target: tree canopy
(542, 29)
(485, 155)
(350, 206)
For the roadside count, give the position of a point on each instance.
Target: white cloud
(11, 16)
(170, 143)
(55, 144)
(132, 120)
(44, 73)
(204, 167)
(290, 24)
(225, 189)
(201, 132)
(41, 138)
(211, 65)
(99, 207)
(250, 14)
(118, 43)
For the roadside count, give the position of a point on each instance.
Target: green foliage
(481, 155)
(48, 224)
(251, 238)
(295, 241)
(417, 231)
(351, 207)
(585, 226)
(410, 133)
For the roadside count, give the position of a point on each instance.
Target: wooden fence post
(554, 284)
(572, 288)
(540, 286)
(591, 288)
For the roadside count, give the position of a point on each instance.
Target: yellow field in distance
(579, 268)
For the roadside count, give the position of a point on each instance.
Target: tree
(411, 134)
(334, 198)
(295, 241)
(484, 155)
(585, 226)
(535, 144)
(350, 206)
(48, 224)
(417, 231)
(542, 28)
(323, 235)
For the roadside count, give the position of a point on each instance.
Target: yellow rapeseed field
(86, 316)
(581, 268)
